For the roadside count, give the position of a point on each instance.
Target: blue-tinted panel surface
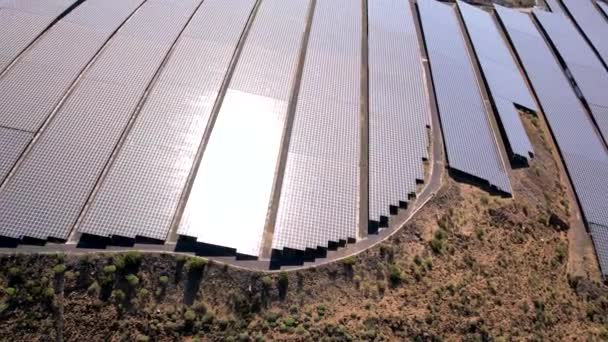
(505, 82)
(584, 65)
(470, 142)
(583, 152)
(593, 24)
(230, 196)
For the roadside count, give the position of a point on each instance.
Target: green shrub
(132, 259)
(132, 280)
(283, 280)
(300, 330)
(394, 274)
(69, 275)
(272, 316)
(428, 263)
(349, 261)
(143, 293)
(109, 269)
(561, 253)
(266, 282)
(207, 318)
(438, 242)
(118, 296)
(48, 293)
(195, 264)
(200, 307)
(10, 291)
(14, 272)
(142, 338)
(59, 269)
(94, 288)
(289, 321)
(164, 280)
(190, 315)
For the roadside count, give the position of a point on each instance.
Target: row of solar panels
(104, 119)
(150, 85)
(547, 43)
(566, 67)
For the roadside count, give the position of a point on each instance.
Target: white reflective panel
(505, 82)
(470, 141)
(229, 200)
(319, 199)
(144, 184)
(230, 196)
(398, 106)
(592, 22)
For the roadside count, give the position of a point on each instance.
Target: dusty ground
(469, 266)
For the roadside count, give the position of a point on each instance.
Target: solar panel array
(142, 189)
(109, 110)
(320, 191)
(593, 24)
(505, 82)
(603, 7)
(230, 196)
(22, 21)
(48, 191)
(470, 142)
(36, 83)
(584, 65)
(399, 111)
(583, 152)
(554, 6)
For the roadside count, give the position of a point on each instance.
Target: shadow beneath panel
(483, 184)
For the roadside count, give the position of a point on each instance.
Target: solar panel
(230, 195)
(48, 191)
(43, 7)
(582, 150)
(44, 73)
(12, 144)
(586, 69)
(592, 23)
(603, 7)
(17, 30)
(599, 235)
(398, 106)
(554, 6)
(320, 193)
(504, 80)
(140, 194)
(470, 143)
